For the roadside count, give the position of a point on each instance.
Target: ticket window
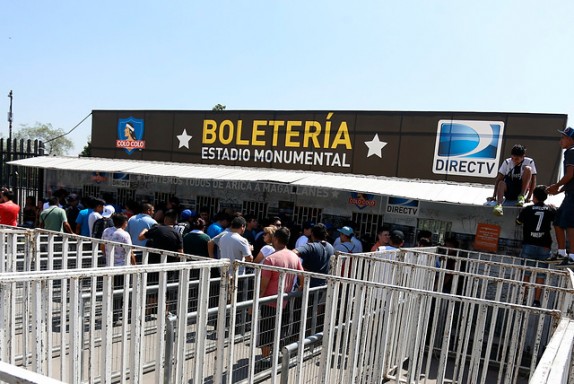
(438, 228)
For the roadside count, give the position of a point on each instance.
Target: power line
(70, 131)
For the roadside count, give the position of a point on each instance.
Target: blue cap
(308, 225)
(346, 230)
(568, 132)
(186, 214)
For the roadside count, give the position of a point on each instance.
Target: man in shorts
(515, 180)
(564, 222)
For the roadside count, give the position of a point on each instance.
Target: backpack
(100, 225)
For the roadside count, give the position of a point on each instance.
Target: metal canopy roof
(437, 191)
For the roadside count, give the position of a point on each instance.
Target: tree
(218, 107)
(54, 139)
(87, 151)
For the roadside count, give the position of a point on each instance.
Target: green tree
(87, 151)
(54, 139)
(218, 107)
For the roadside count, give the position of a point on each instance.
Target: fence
(23, 181)
(419, 315)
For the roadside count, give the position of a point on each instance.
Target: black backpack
(100, 225)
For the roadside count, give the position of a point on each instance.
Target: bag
(100, 225)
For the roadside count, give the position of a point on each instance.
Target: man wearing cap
(515, 180)
(103, 222)
(564, 221)
(54, 218)
(356, 242)
(345, 244)
(183, 226)
(395, 242)
(304, 238)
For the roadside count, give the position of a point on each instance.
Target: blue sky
(63, 59)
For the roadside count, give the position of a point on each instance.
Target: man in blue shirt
(221, 222)
(82, 223)
(139, 222)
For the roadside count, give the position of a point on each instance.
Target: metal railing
(412, 315)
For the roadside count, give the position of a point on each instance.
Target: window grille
(124, 195)
(91, 190)
(367, 224)
(256, 208)
(303, 214)
(212, 204)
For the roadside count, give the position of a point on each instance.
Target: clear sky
(62, 59)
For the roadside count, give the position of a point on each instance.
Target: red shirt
(9, 213)
(286, 259)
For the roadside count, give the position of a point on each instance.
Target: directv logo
(402, 206)
(468, 148)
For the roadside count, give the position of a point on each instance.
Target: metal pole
(10, 157)
(10, 96)
(169, 344)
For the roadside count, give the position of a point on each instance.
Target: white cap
(108, 211)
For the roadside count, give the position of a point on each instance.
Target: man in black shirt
(316, 254)
(165, 237)
(537, 223)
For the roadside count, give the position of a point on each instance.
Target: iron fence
(379, 316)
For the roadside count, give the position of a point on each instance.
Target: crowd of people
(235, 236)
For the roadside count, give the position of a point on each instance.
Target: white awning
(426, 190)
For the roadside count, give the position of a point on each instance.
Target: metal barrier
(405, 316)
(556, 364)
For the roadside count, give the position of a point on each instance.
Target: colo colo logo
(130, 134)
(468, 147)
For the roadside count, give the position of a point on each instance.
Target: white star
(375, 146)
(184, 139)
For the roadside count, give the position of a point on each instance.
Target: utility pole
(10, 116)
(9, 147)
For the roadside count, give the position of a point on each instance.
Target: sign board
(451, 146)
(486, 238)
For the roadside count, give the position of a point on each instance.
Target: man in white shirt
(118, 255)
(304, 238)
(96, 214)
(233, 246)
(516, 179)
